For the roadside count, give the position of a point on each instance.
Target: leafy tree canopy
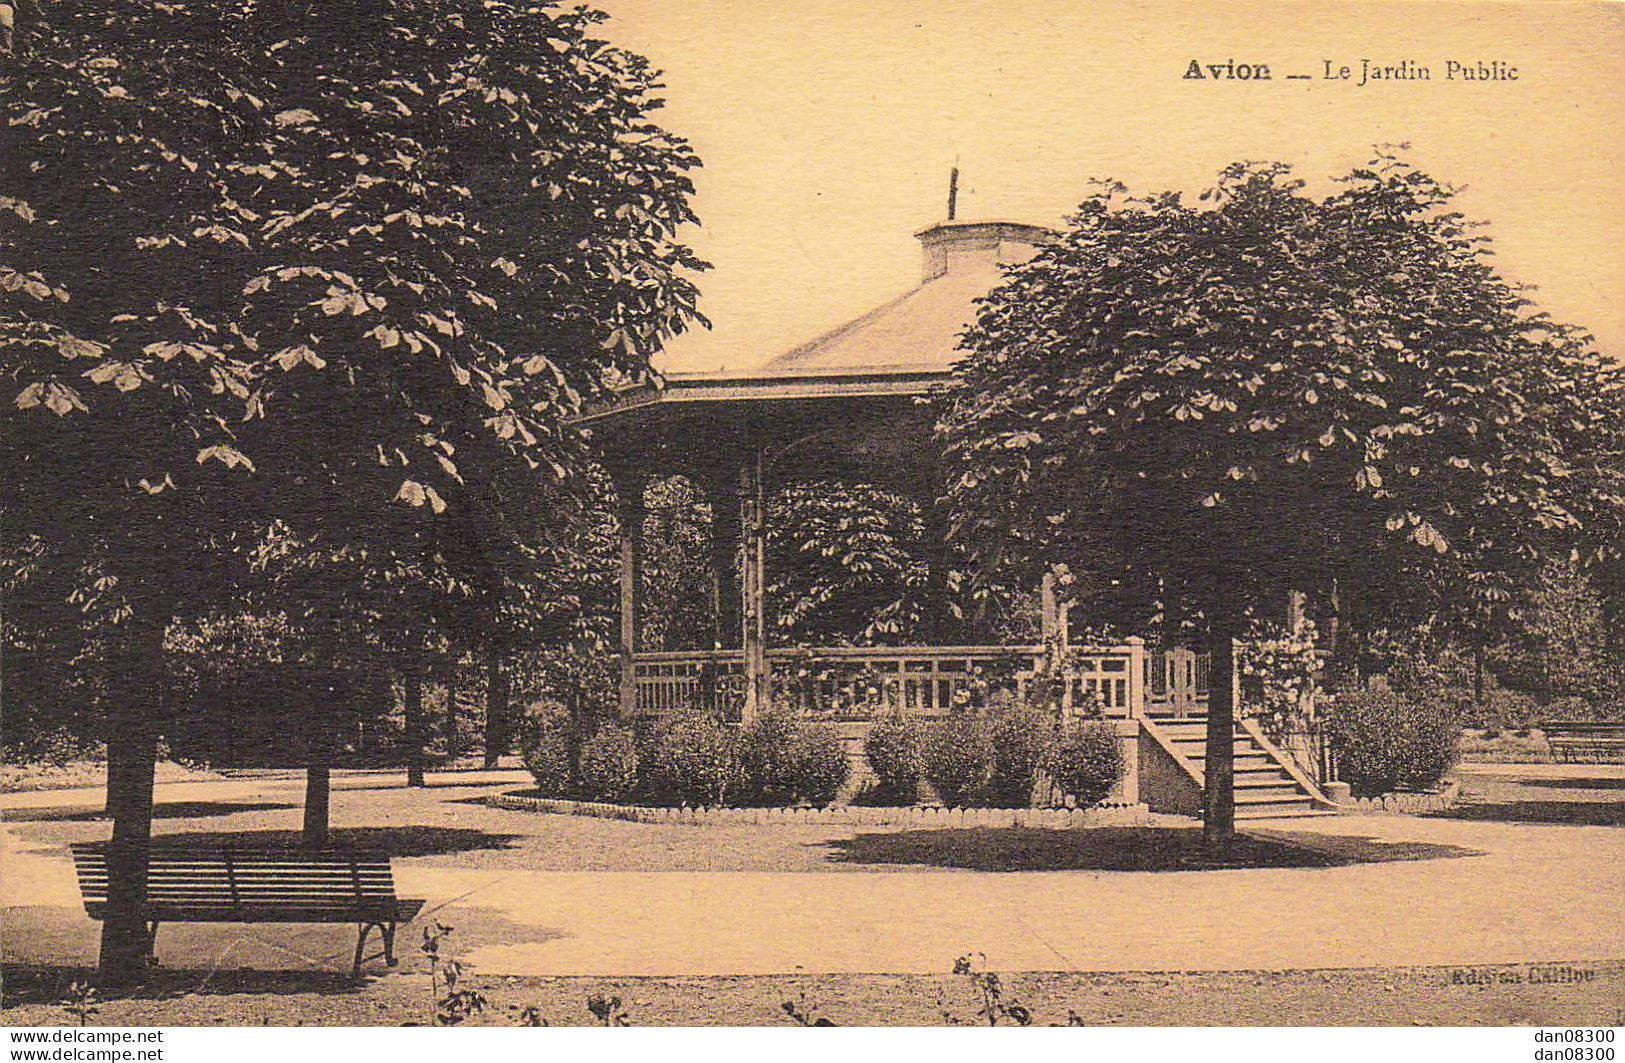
(348, 266)
(1265, 390)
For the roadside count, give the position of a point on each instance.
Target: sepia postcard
(915, 513)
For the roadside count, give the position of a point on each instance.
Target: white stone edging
(1404, 803)
(1119, 815)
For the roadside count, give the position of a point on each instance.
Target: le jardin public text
(1358, 72)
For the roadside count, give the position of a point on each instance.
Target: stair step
(1275, 808)
(1294, 812)
(1252, 783)
(1264, 797)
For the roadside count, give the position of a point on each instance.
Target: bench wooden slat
(258, 886)
(1586, 740)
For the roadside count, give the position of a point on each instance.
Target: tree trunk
(1219, 795)
(1478, 677)
(132, 753)
(452, 747)
(414, 728)
(496, 709)
(318, 780)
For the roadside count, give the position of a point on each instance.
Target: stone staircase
(1268, 782)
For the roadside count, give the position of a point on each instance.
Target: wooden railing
(711, 679)
(1176, 682)
(858, 682)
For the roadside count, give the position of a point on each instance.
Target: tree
(1274, 392)
(846, 564)
(346, 266)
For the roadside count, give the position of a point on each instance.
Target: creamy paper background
(828, 128)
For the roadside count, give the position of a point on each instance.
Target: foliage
(894, 748)
(1384, 740)
(545, 747)
(607, 1010)
(691, 758)
(1021, 737)
(1086, 761)
(1274, 391)
(804, 1012)
(347, 270)
(846, 563)
(994, 1007)
(607, 766)
(453, 1004)
(818, 763)
(82, 1002)
(958, 759)
(676, 583)
(1278, 671)
(767, 757)
(1559, 646)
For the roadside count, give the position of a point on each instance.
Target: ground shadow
(1573, 813)
(1122, 849)
(48, 984)
(1616, 783)
(405, 841)
(172, 810)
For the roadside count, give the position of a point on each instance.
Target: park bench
(213, 885)
(1586, 743)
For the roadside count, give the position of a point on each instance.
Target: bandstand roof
(899, 349)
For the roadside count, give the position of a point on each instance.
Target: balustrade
(859, 682)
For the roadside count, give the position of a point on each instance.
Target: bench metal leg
(389, 944)
(360, 944)
(152, 943)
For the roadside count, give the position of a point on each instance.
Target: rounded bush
(692, 760)
(818, 764)
(765, 758)
(958, 760)
(1383, 740)
(546, 748)
(1021, 737)
(895, 750)
(1087, 761)
(608, 766)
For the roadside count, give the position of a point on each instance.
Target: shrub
(546, 747)
(607, 769)
(765, 758)
(958, 760)
(691, 759)
(1384, 740)
(818, 763)
(894, 749)
(1020, 738)
(1087, 761)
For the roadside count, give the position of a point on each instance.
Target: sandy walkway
(1513, 893)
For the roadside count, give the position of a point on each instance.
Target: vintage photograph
(722, 513)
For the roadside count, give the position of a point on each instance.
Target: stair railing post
(1136, 677)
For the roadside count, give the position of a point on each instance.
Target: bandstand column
(722, 491)
(629, 514)
(753, 587)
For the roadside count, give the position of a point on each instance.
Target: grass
(1472, 996)
(1504, 747)
(75, 774)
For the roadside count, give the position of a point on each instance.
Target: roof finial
(953, 189)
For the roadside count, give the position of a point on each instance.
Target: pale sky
(828, 128)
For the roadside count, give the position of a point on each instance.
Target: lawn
(1429, 996)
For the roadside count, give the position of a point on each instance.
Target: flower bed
(835, 815)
